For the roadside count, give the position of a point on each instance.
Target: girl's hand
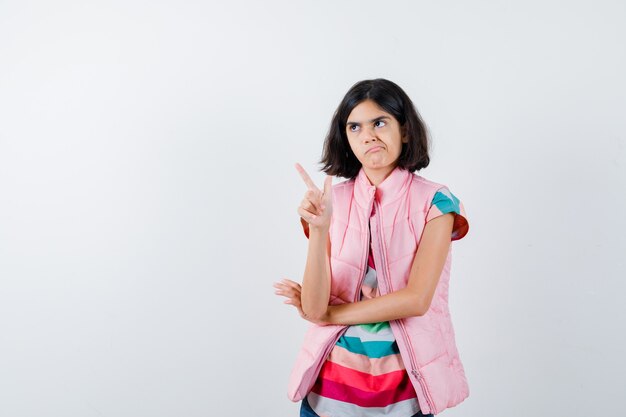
(317, 206)
(292, 291)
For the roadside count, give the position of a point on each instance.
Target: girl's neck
(376, 176)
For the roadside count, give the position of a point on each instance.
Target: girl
(375, 285)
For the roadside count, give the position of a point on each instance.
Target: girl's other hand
(292, 290)
(317, 206)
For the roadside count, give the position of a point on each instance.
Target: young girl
(375, 285)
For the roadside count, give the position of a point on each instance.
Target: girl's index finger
(307, 180)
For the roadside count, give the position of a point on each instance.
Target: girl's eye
(380, 123)
(353, 128)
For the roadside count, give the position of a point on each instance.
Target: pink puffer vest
(426, 343)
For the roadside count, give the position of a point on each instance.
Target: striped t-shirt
(364, 374)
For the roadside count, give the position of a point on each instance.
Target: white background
(148, 195)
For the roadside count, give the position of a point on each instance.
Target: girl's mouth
(374, 149)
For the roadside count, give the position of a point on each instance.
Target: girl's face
(375, 138)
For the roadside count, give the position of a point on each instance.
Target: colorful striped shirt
(364, 374)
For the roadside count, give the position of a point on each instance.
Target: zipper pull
(417, 375)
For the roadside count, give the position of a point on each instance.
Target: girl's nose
(368, 134)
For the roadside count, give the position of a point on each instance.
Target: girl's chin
(376, 166)
(376, 162)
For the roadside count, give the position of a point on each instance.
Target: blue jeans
(307, 411)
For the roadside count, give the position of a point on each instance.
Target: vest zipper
(400, 322)
(414, 370)
(364, 260)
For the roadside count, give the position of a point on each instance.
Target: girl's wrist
(318, 229)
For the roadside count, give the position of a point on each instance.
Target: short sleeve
(445, 202)
(305, 227)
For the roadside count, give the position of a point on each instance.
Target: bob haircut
(337, 156)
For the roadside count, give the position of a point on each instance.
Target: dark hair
(337, 157)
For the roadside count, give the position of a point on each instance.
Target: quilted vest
(426, 343)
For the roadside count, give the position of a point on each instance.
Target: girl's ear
(403, 133)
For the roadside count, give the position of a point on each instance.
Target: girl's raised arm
(316, 209)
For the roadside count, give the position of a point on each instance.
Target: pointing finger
(307, 180)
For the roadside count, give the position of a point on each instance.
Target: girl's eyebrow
(371, 121)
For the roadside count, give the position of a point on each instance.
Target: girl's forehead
(367, 110)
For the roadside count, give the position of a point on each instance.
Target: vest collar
(393, 187)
